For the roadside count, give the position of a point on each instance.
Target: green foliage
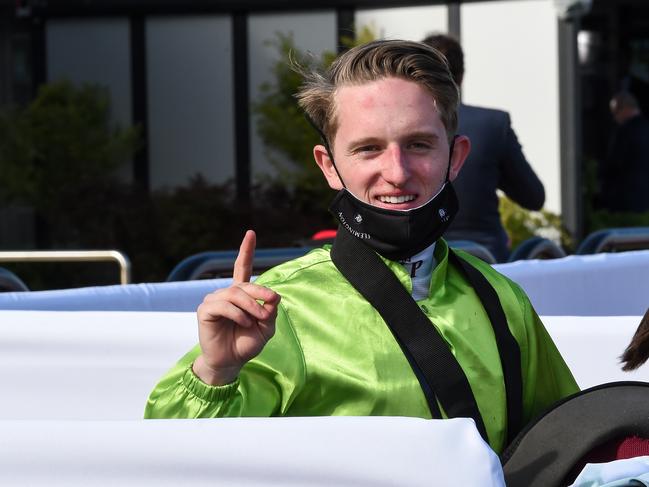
(158, 230)
(282, 126)
(280, 123)
(522, 224)
(287, 135)
(365, 34)
(62, 140)
(60, 156)
(60, 150)
(203, 216)
(598, 219)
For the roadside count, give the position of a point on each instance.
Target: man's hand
(235, 323)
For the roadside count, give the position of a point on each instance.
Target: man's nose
(395, 166)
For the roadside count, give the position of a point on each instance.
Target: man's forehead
(370, 85)
(367, 94)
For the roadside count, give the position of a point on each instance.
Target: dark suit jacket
(496, 161)
(625, 179)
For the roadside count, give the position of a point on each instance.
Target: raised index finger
(243, 264)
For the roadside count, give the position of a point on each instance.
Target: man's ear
(324, 162)
(461, 149)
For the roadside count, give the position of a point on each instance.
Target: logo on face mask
(357, 234)
(358, 218)
(443, 215)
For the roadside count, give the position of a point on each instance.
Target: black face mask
(394, 234)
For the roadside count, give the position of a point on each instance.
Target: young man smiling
(391, 147)
(302, 340)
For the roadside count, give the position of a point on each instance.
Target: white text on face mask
(355, 233)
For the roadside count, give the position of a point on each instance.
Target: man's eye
(367, 149)
(419, 146)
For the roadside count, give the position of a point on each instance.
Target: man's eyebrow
(433, 137)
(364, 140)
(424, 135)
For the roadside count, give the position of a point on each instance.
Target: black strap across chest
(438, 371)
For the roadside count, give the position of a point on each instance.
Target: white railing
(72, 256)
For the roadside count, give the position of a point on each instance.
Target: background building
(187, 71)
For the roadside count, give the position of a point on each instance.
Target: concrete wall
(512, 64)
(93, 51)
(411, 23)
(190, 99)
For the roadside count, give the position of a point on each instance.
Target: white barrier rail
(609, 284)
(102, 365)
(319, 452)
(590, 285)
(72, 256)
(58, 368)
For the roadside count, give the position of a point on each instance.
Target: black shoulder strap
(439, 373)
(508, 349)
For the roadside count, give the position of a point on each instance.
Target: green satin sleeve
(546, 376)
(266, 386)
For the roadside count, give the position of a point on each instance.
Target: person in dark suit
(496, 161)
(625, 175)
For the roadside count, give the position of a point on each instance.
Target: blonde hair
(412, 61)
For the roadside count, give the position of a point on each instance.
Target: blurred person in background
(624, 177)
(496, 162)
